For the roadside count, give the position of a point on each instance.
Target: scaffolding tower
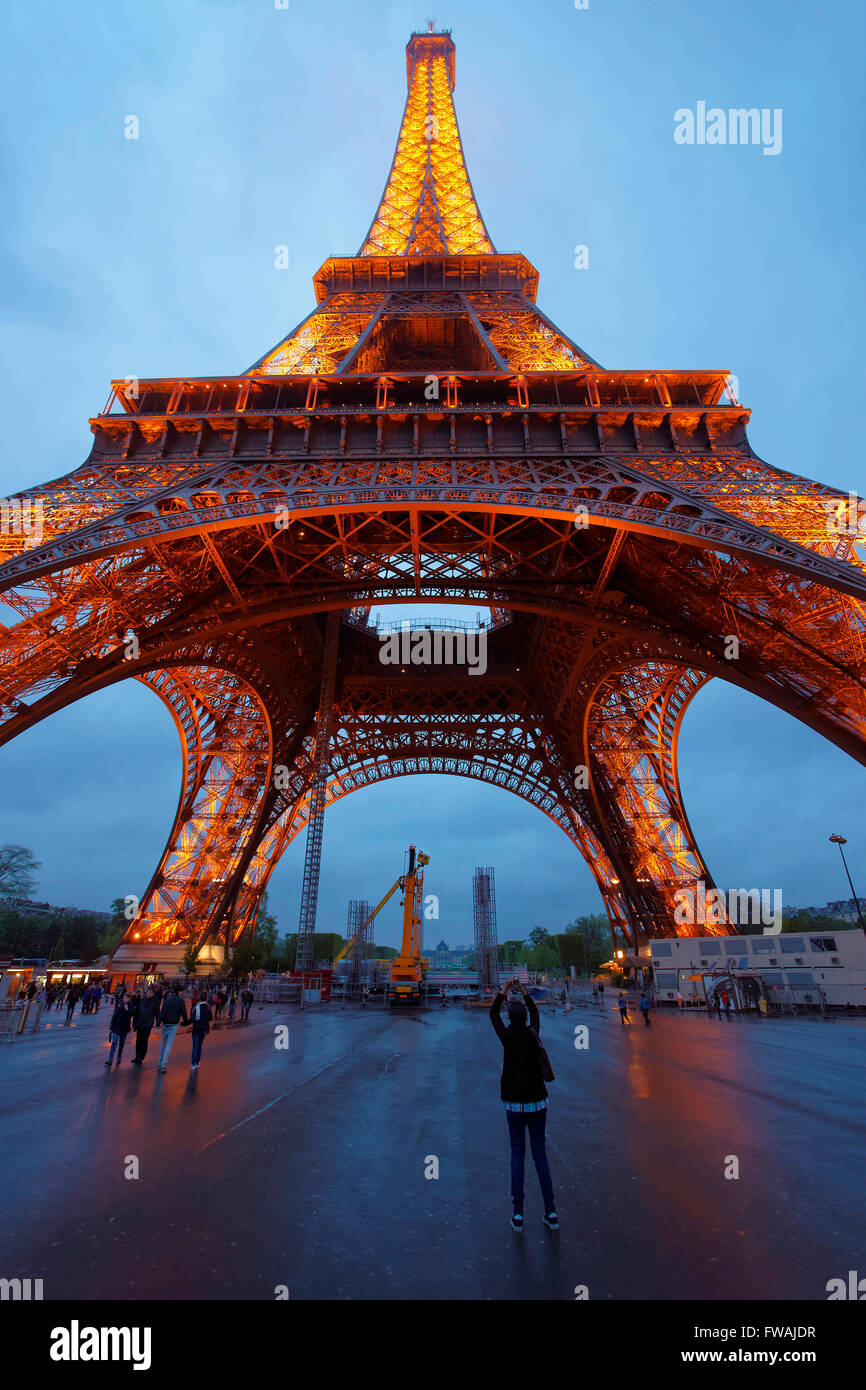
(359, 912)
(318, 790)
(486, 946)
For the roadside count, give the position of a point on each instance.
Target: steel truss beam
(427, 434)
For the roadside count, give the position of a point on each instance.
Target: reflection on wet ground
(306, 1166)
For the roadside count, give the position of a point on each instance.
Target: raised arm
(533, 1010)
(498, 1025)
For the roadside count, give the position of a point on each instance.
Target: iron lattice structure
(486, 945)
(427, 434)
(362, 936)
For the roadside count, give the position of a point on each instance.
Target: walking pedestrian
(172, 1013)
(645, 1008)
(233, 1001)
(144, 1020)
(600, 993)
(71, 1001)
(594, 992)
(200, 1020)
(118, 1028)
(524, 1096)
(443, 997)
(622, 1003)
(246, 1004)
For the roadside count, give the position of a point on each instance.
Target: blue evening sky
(262, 126)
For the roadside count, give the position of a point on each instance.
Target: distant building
(446, 958)
(29, 907)
(845, 910)
(440, 956)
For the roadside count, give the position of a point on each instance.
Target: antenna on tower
(431, 26)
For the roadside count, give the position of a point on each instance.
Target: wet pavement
(305, 1167)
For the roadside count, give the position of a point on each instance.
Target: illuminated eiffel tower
(428, 435)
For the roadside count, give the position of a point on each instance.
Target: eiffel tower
(427, 435)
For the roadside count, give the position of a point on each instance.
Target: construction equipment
(407, 971)
(353, 944)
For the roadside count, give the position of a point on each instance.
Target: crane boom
(353, 941)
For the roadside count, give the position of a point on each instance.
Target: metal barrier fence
(20, 1017)
(797, 1000)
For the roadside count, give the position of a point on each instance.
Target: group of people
(622, 1005)
(68, 996)
(89, 996)
(165, 1008)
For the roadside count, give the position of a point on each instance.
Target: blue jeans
(197, 1040)
(117, 1041)
(518, 1123)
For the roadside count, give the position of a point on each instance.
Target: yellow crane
(407, 969)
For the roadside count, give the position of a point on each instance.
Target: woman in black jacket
(200, 1021)
(118, 1028)
(524, 1096)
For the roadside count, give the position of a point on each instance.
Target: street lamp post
(840, 841)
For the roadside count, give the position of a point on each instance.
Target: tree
(18, 870)
(245, 958)
(190, 958)
(800, 919)
(326, 945)
(111, 937)
(266, 929)
(538, 934)
(572, 950)
(595, 930)
(384, 952)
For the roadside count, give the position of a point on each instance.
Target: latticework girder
(318, 789)
(428, 203)
(428, 435)
(484, 920)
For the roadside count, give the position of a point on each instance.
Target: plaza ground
(306, 1167)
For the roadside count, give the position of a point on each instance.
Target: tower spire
(428, 205)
